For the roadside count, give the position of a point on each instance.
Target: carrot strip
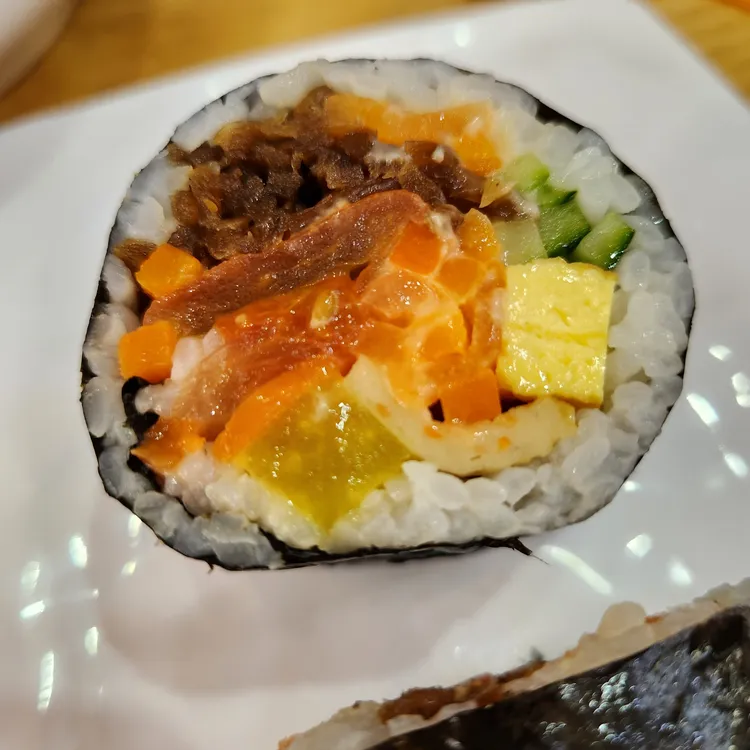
(147, 352)
(474, 398)
(167, 443)
(460, 275)
(418, 249)
(477, 237)
(467, 128)
(267, 403)
(166, 270)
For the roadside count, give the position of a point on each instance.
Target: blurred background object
(27, 29)
(112, 43)
(740, 3)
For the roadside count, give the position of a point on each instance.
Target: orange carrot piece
(381, 341)
(477, 153)
(477, 237)
(168, 442)
(399, 296)
(486, 334)
(166, 270)
(418, 249)
(147, 352)
(460, 275)
(447, 337)
(495, 273)
(345, 112)
(267, 403)
(449, 369)
(465, 128)
(474, 398)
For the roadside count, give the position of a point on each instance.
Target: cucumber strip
(520, 241)
(562, 227)
(546, 196)
(526, 172)
(605, 244)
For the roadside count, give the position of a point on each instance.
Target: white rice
(648, 337)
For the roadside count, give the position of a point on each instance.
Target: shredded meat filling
(352, 236)
(483, 690)
(264, 180)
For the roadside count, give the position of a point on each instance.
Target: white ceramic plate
(110, 640)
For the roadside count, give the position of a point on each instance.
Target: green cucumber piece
(526, 172)
(562, 227)
(519, 240)
(546, 196)
(604, 245)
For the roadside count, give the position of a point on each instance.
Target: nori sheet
(691, 691)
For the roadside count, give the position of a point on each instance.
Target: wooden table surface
(112, 43)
